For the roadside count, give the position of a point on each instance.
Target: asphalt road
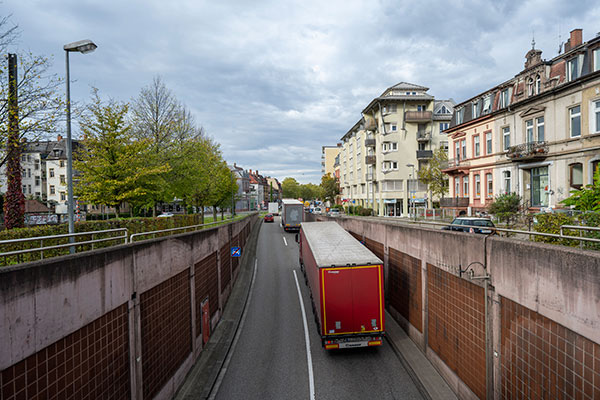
(269, 360)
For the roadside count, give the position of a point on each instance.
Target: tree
(291, 188)
(505, 206)
(112, 164)
(586, 198)
(330, 188)
(225, 188)
(431, 173)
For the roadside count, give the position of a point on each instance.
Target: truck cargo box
(345, 280)
(292, 214)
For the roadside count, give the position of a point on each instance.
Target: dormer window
(530, 88)
(504, 98)
(487, 104)
(476, 109)
(459, 116)
(444, 110)
(538, 85)
(572, 69)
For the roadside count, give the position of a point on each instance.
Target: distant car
(334, 212)
(269, 218)
(317, 210)
(165, 215)
(472, 225)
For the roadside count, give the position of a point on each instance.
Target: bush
(366, 212)
(551, 223)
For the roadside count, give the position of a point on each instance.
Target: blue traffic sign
(236, 252)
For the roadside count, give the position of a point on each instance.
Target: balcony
(455, 166)
(423, 136)
(453, 202)
(370, 143)
(418, 116)
(370, 123)
(424, 154)
(370, 160)
(528, 151)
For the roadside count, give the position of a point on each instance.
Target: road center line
(311, 379)
(284, 241)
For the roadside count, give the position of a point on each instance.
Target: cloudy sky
(273, 81)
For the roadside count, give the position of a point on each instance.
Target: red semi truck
(345, 280)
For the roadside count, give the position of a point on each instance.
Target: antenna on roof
(532, 39)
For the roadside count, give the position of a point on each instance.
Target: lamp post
(412, 202)
(84, 47)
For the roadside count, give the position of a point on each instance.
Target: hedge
(551, 223)
(133, 225)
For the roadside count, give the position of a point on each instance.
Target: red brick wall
(206, 283)
(456, 326)
(91, 363)
(166, 331)
(542, 359)
(404, 286)
(375, 247)
(225, 266)
(356, 236)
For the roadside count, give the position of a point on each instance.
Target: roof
(291, 201)
(408, 86)
(34, 206)
(333, 246)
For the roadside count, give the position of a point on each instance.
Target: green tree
(225, 189)
(111, 164)
(291, 188)
(505, 206)
(586, 198)
(330, 188)
(431, 173)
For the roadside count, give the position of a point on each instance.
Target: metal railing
(181, 228)
(75, 244)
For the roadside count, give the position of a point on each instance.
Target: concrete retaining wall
(60, 317)
(541, 309)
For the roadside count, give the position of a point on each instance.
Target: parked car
(269, 218)
(334, 212)
(165, 215)
(472, 225)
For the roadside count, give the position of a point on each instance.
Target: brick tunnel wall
(543, 312)
(68, 323)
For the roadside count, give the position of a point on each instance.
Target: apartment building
(536, 134)
(328, 156)
(381, 154)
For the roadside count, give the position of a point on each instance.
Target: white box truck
(274, 208)
(292, 214)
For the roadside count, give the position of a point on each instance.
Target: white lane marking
(284, 241)
(311, 379)
(215, 390)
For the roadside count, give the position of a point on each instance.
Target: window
(389, 146)
(596, 116)
(489, 185)
(504, 98)
(529, 131)
(443, 126)
(463, 144)
(444, 110)
(539, 187)
(456, 187)
(575, 116)
(530, 90)
(466, 186)
(476, 146)
(576, 175)
(23, 158)
(63, 197)
(459, 116)
(488, 143)
(421, 108)
(29, 172)
(477, 185)
(392, 185)
(596, 56)
(24, 189)
(394, 127)
(457, 150)
(51, 171)
(506, 179)
(476, 109)
(52, 189)
(539, 127)
(572, 69)
(487, 104)
(538, 85)
(444, 145)
(506, 138)
(36, 166)
(389, 165)
(62, 163)
(29, 189)
(37, 181)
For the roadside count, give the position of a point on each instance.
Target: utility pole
(14, 202)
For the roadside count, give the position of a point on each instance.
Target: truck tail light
(374, 343)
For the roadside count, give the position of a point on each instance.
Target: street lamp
(84, 47)
(411, 191)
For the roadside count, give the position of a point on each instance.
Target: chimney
(58, 138)
(234, 166)
(576, 37)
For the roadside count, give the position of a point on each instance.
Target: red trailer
(345, 280)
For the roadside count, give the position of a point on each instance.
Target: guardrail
(181, 228)
(75, 244)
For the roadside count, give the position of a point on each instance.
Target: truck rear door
(352, 300)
